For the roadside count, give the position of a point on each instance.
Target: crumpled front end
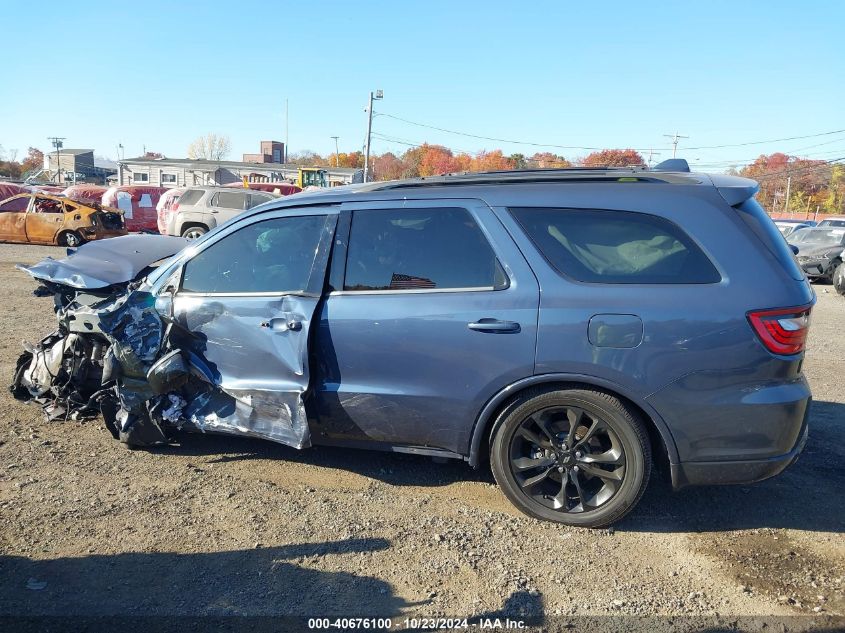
(114, 353)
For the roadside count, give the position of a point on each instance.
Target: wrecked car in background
(39, 218)
(819, 251)
(138, 203)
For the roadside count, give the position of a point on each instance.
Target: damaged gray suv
(574, 327)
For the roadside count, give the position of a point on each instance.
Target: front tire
(573, 456)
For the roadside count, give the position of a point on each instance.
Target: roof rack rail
(672, 164)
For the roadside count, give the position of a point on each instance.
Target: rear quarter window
(759, 222)
(616, 247)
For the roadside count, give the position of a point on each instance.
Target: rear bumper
(737, 472)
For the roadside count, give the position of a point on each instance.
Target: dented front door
(248, 296)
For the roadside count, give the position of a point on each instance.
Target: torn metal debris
(154, 364)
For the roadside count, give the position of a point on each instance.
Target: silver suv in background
(200, 209)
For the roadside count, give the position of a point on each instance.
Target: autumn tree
(519, 161)
(154, 155)
(436, 159)
(547, 159)
(612, 158)
(34, 159)
(809, 182)
(352, 159)
(210, 147)
(308, 158)
(491, 161)
(388, 167)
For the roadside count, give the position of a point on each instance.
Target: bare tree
(210, 147)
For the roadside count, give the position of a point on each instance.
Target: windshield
(819, 237)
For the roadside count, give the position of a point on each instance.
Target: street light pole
(378, 94)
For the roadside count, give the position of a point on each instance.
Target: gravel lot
(229, 526)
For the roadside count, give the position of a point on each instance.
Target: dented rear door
(248, 296)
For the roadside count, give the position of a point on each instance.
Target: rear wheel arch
(663, 447)
(186, 226)
(70, 238)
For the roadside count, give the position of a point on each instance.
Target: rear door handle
(494, 325)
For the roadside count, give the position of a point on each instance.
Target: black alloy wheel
(578, 456)
(567, 459)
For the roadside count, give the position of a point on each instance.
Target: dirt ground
(227, 526)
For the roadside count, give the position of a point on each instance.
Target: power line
(584, 147)
(711, 164)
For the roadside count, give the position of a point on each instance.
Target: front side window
(139, 177)
(274, 255)
(46, 205)
(168, 179)
(616, 246)
(230, 200)
(420, 249)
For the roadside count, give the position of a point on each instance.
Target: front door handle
(494, 325)
(282, 324)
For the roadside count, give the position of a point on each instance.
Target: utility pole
(57, 142)
(287, 129)
(786, 202)
(378, 94)
(651, 153)
(675, 138)
(336, 152)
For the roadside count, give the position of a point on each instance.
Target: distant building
(271, 152)
(184, 172)
(70, 165)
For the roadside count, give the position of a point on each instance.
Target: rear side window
(616, 247)
(15, 204)
(190, 197)
(419, 249)
(257, 198)
(230, 200)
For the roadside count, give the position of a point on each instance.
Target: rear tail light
(782, 331)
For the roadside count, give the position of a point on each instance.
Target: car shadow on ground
(264, 581)
(804, 497)
(208, 590)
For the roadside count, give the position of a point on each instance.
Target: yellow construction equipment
(312, 177)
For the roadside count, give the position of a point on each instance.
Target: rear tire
(71, 239)
(194, 232)
(838, 279)
(574, 456)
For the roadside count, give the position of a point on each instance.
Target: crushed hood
(105, 263)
